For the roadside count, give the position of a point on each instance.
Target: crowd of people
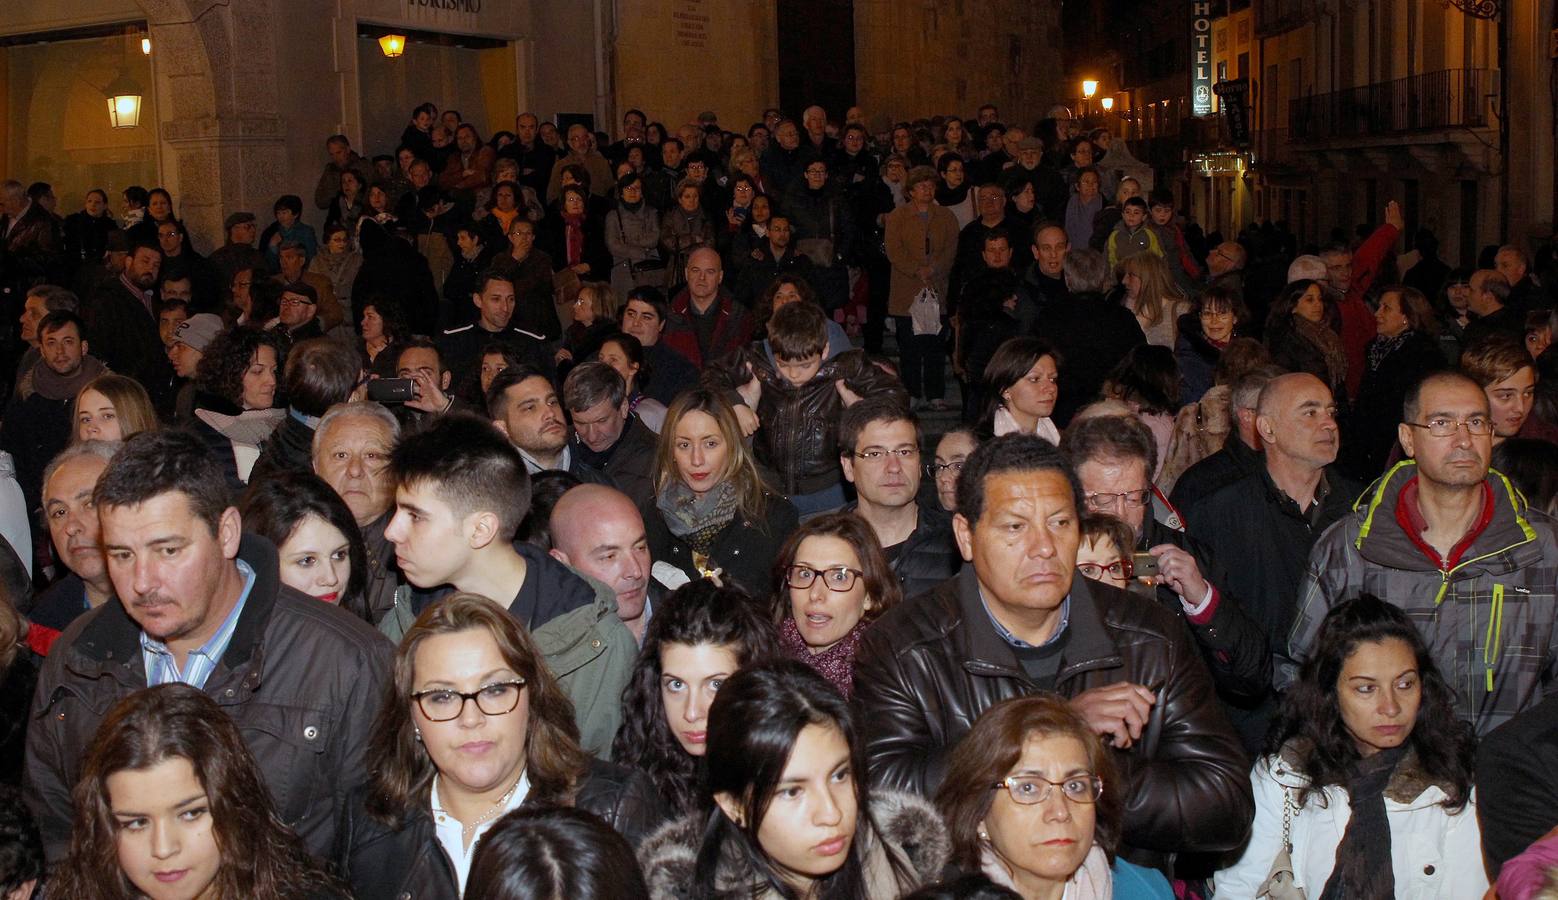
(553, 522)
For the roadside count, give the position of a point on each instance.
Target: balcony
(1451, 98)
(1274, 17)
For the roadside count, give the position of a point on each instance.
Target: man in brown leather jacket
(1016, 621)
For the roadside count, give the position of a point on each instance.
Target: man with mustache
(1017, 620)
(1455, 545)
(198, 601)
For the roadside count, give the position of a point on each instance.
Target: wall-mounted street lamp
(393, 45)
(1089, 88)
(124, 102)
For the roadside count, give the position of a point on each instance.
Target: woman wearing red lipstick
(831, 580)
(1032, 799)
(1368, 778)
(786, 811)
(171, 806)
(699, 635)
(321, 549)
(714, 510)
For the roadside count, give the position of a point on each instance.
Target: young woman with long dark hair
(787, 809)
(699, 636)
(1368, 776)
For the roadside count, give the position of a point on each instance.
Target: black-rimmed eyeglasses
(838, 578)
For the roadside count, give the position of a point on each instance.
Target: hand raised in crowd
(430, 398)
(1179, 571)
(1117, 711)
(1394, 217)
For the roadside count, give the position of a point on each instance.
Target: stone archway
(219, 127)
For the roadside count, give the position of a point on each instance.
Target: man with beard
(525, 407)
(37, 421)
(122, 317)
(1458, 548)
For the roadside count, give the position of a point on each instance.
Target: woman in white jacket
(1369, 780)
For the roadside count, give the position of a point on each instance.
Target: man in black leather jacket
(197, 601)
(1017, 620)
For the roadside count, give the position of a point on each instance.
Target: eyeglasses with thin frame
(1120, 568)
(837, 578)
(935, 470)
(1028, 790)
(1100, 500)
(496, 699)
(880, 454)
(1444, 426)
(296, 301)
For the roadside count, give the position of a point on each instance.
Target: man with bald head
(76, 533)
(1270, 517)
(598, 532)
(705, 321)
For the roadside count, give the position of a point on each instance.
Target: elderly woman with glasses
(1032, 800)
(831, 580)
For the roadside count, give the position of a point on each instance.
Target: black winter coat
(929, 667)
(1370, 429)
(379, 861)
(302, 680)
(1092, 335)
(745, 549)
(929, 555)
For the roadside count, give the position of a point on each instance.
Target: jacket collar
(982, 651)
(682, 305)
(1381, 541)
(112, 637)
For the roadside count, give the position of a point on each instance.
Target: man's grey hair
(591, 383)
(56, 298)
(103, 450)
(11, 189)
(1516, 252)
(1245, 393)
(1110, 438)
(366, 409)
(1087, 271)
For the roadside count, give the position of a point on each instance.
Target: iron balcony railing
(1449, 98)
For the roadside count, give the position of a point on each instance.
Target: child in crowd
(1176, 252)
(1132, 236)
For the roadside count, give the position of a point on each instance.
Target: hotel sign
(1201, 57)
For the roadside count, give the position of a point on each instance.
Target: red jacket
(732, 329)
(1358, 326)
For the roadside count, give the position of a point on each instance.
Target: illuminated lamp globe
(124, 102)
(393, 45)
(1107, 103)
(1089, 88)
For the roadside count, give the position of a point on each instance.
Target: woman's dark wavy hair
(274, 507)
(1310, 714)
(633, 349)
(697, 613)
(228, 356)
(764, 309)
(1286, 305)
(552, 852)
(883, 589)
(261, 857)
(754, 722)
(1008, 365)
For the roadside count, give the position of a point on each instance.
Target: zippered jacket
(1488, 617)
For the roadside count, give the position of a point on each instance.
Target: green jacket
(589, 650)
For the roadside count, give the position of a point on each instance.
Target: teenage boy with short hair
(462, 490)
(797, 398)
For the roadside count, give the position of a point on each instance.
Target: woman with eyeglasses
(699, 636)
(1105, 551)
(831, 581)
(474, 726)
(1031, 799)
(1021, 385)
(787, 810)
(951, 452)
(1366, 789)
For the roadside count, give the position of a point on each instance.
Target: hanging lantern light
(146, 46)
(1089, 88)
(1107, 103)
(393, 45)
(124, 102)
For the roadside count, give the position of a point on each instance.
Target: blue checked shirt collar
(1014, 640)
(201, 662)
